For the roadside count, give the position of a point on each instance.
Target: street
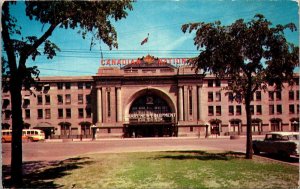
(51, 151)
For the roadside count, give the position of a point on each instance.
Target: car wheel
(3, 140)
(255, 150)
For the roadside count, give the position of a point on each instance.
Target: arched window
(294, 124)
(235, 125)
(256, 125)
(276, 124)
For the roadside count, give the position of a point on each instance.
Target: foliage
(250, 55)
(245, 50)
(92, 17)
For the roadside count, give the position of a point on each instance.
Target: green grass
(190, 169)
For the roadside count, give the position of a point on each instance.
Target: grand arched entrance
(150, 115)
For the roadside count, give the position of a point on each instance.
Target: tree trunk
(17, 124)
(249, 124)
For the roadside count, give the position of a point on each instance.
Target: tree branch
(7, 40)
(37, 43)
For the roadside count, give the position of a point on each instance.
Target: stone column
(99, 105)
(119, 105)
(199, 103)
(180, 104)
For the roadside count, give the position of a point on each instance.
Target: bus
(32, 135)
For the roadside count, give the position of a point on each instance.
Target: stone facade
(150, 99)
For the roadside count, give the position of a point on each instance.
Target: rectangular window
(271, 95)
(271, 109)
(231, 110)
(297, 108)
(40, 113)
(68, 113)
(68, 99)
(190, 103)
(60, 86)
(230, 97)
(279, 109)
(291, 95)
(297, 93)
(47, 99)
(39, 99)
(80, 85)
(88, 85)
(191, 129)
(60, 113)
(210, 96)
(218, 110)
(258, 95)
(296, 80)
(88, 112)
(258, 110)
(210, 110)
(27, 114)
(218, 83)
(108, 104)
(218, 96)
(68, 85)
(7, 114)
(278, 95)
(6, 103)
(60, 99)
(238, 110)
(47, 113)
(252, 109)
(210, 83)
(80, 112)
(291, 109)
(88, 99)
(80, 98)
(26, 102)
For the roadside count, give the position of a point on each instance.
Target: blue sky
(162, 20)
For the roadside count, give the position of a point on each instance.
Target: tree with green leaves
(88, 17)
(250, 55)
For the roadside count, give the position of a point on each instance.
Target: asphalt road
(51, 151)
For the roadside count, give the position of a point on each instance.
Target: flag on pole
(145, 40)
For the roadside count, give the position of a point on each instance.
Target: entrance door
(138, 131)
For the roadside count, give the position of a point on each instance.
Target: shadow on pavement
(41, 174)
(202, 155)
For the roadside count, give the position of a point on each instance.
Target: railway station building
(149, 98)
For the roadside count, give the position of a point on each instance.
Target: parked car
(281, 143)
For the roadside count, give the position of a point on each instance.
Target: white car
(281, 143)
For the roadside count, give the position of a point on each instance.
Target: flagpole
(148, 44)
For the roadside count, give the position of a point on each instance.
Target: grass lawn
(189, 169)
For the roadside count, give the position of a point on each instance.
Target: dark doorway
(138, 131)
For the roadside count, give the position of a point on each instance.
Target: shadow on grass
(201, 155)
(291, 159)
(41, 174)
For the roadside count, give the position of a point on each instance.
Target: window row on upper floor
(255, 109)
(217, 83)
(272, 95)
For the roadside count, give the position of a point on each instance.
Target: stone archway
(144, 91)
(150, 113)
